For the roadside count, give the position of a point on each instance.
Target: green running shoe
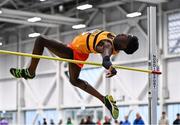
(111, 105)
(21, 73)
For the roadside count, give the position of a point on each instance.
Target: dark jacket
(107, 123)
(138, 122)
(176, 122)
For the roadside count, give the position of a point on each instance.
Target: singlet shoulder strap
(87, 42)
(95, 39)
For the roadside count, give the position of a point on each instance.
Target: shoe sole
(13, 73)
(17, 76)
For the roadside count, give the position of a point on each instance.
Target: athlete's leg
(41, 42)
(55, 47)
(108, 100)
(74, 71)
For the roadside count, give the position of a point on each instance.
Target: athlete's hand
(111, 72)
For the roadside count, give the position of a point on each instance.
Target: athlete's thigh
(58, 48)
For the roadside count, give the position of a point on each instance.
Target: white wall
(174, 79)
(8, 94)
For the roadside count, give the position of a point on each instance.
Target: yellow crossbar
(76, 61)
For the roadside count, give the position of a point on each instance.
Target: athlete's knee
(74, 81)
(40, 39)
(79, 83)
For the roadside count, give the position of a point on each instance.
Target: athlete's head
(128, 43)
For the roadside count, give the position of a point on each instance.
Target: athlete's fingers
(108, 75)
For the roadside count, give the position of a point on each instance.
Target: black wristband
(114, 72)
(106, 62)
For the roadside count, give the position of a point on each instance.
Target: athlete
(96, 41)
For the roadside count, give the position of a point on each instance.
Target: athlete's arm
(106, 49)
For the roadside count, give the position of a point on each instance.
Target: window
(32, 116)
(9, 117)
(174, 33)
(173, 109)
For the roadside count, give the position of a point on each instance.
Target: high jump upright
(153, 65)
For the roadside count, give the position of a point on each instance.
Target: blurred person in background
(116, 122)
(138, 120)
(163, 120)
(177, 121)
(121, 122)
(52, 122)
(3, 121)
(60, 122)
(69, 121)
(82, 122)
(44, 121)
(98, 121)
(39, 122)
(89, 121)
(126, 122)
(107, 121)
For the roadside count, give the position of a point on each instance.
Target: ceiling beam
(14, 4)
(152, 1)
(43, 16)
(4, 2)
(111, 4)
(21, 3)
(46, 4)
(17, 21)
(23, 18)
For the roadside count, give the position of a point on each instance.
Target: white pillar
(153, 78)
(59, 83)
(20, 87)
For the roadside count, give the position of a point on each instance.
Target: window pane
(174, 33)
